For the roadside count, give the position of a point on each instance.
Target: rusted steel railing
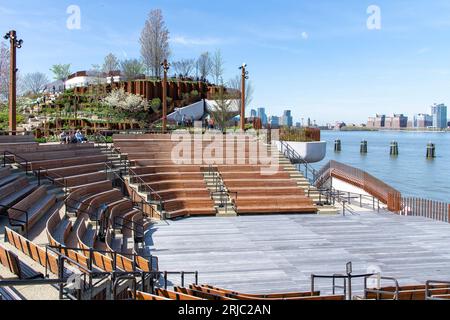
(363, 180)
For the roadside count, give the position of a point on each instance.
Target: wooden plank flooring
(278, 253)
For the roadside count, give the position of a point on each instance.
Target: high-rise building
(397, 121)
(286, 119)
(422, 120)
(253, 113)
(439, 113)
(262, 115)
(274, 122)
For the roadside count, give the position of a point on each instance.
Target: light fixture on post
(244, 77)
(166, 67)
(14, 45)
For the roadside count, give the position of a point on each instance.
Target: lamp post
(166, 67)
(244, 77)
(14, 44)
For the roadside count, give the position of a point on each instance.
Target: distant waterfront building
(298, 125)
(262, 115)
(439, 113)
(253, 113)
(379, 121)
(309, 122)
(274, 122)
(286, 119)
(397, 121)
(422, 120)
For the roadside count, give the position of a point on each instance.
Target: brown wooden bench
(201, 294)
(33, 206)
(145, 296)
(15, 192)
(270, 295)
(178, 208)
(174, 295)
(60, 154)
(75, 170)
(14, 265)
(61, 163)
(165, 177)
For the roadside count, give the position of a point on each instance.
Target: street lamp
(166, 67)
(15, 44)
(244, 77)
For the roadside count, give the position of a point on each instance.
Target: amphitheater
(127, 221)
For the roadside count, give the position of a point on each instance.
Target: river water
(410, 172)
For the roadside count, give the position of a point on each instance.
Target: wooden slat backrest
(124, 263)
(174, 295)
(200, 294)
(143, 264)
(10, 260)
(147, 296)
(103, 262)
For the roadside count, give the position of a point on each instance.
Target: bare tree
(154, 43)
(223, 110)
(217, 67)
(235, 90)
(61, 71)
(110, 64)
(35, 82)
(4, 71)
(131, 68)
(184, 67)
(204, 65)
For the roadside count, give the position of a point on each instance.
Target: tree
(61, 71)
(34, 82)
(154, 43)
(204, 65)
(110, 64)
(223, 110)
(217, 67)
(184, 67)
(131, 68)
(4, 72)
(126, 102)
(235, 89)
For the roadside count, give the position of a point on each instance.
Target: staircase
(310, 190)
(219, 193)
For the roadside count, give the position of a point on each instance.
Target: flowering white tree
(127, 102)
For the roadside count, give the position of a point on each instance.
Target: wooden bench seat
(174, 295)
(255, 176)
(77, 194)
(145, 296)
(60, 154)
(270, 295)
(83, 179)
(263, 192)
(61, 163)
(36, 205)
(14, 265)
(96, 202)
(8, 179)
(38, 254)
(178, 208)
(275, 205)
(170, 185)
(254, 183)
(175, 194)
(164, 169)
(15, 192)
(166, 177)
(75, 170)
(201, 294)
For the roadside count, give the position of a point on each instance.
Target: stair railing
(296, 158)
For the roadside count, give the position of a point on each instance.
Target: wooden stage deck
(279, 253)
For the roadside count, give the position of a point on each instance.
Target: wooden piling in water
(363, 148)
(431, 151)
(337, 146)
(394, 148)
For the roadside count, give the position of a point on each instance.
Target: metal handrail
(143, 201)
(5, 155)
(293, 154)
(26, 221)
(379, 292)
(429, 286)
(134, 175)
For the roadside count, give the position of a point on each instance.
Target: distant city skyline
(318, 57)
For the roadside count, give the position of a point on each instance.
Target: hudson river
(410, 172)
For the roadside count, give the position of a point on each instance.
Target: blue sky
(315, 57)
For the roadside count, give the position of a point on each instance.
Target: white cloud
(305, 35)
(188, 41)
(423, 50)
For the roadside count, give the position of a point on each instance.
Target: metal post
(166, 67)
(244, 77)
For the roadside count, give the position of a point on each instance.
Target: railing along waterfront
(430, 209)
(360, 179)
